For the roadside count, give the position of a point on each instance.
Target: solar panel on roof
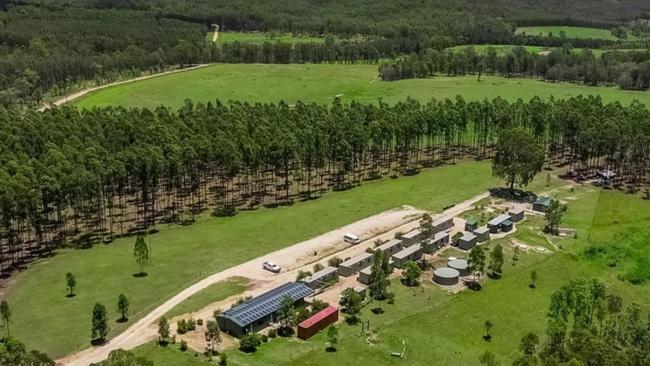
(266, 304)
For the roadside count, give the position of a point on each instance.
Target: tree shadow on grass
(140, 274)
(122, 320)
(69, 296)
(330, 349)
(98, 342)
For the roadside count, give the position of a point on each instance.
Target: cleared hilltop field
(322, 83)
(569, 32)
(260, 37)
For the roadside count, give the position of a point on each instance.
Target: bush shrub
(249, 343)
(183, 346)
(273, 333)
(223, 359)
(264, 338)
(199, 322)
(318, 267)
(334, 261)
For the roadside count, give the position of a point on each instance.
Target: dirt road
(291, 259)
(74, 96)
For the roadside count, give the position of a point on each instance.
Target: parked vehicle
(351, 238)
(272, 267)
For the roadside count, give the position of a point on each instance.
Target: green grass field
(47, 320)
(322, 83)
(570, 32)
(213, 293)
(259, 38)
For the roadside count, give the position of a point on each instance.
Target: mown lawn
(570, 32)
(47, 320)
(448, 329)
(322, 83)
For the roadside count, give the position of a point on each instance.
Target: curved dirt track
(291, 259)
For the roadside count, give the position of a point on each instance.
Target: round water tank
(446, 276)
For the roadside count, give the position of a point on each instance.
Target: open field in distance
(322, 83)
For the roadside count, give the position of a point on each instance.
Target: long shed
(411, 237)
(318, 322)
(442, 224)
(355, 264)
(321, 278)
(391, 247)
(257, 313)
(412, 253)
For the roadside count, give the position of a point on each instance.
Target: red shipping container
(317, 322)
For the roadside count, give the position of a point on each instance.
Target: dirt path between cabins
(291, 259)
(74, 96)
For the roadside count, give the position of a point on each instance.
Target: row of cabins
(474, 234)
(258, 313)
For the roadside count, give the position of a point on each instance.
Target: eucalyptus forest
(77, 177)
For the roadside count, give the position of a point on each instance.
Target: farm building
(439, 240)
(482, 234)
(364, 274)
(321, 278)
(495, 224)
(355, 264)
(446, 276)
(391, 247)
(318, 322)
(460, 265)
(507, 226)
(516, 214)
(471, 224)
(442, 224)
(412, 253)
(255, 314)
(467, 241)
(411, 237)
(361, 290)
(542, 204)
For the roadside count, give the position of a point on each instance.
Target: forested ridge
(52, 47)
(77, 177)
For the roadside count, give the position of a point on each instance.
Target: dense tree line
(587, 326)
(629, 70)
(70, 176)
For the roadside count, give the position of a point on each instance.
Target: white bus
(351, 238)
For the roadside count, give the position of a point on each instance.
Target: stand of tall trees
(76, 177)
(587, 326)
(629, 70)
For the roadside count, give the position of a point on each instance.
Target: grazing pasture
(322, 83)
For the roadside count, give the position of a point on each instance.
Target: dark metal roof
(266, 304)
